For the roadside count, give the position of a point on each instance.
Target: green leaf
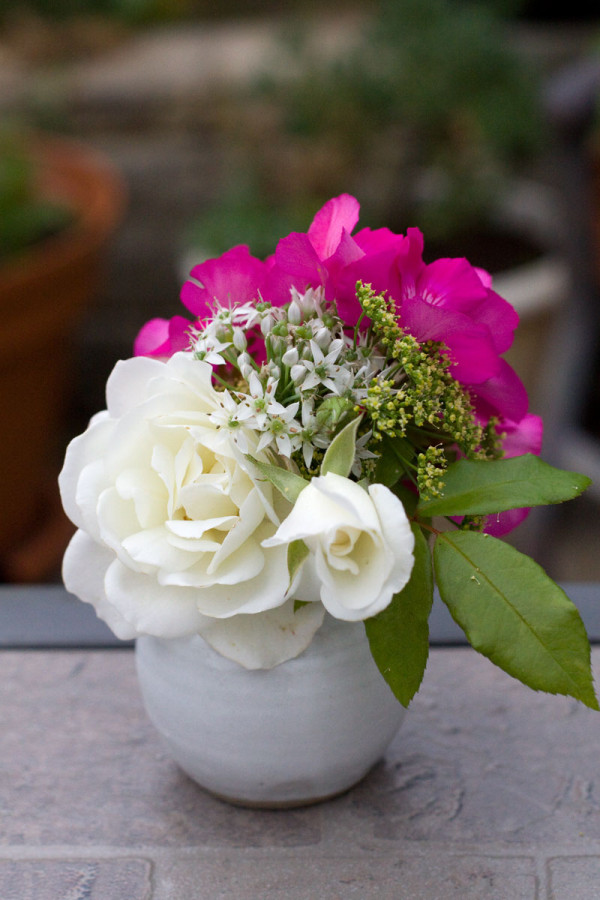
(407, 497)
(394, 461)
(296, 554)
(514, 614)
(399, 635)
(289, 484)
(332, 410)
(483, 487)
(339, 456)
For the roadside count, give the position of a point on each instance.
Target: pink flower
(451, 301)
(312, 259)
(448, 300)
(162, 337)
(234, 277)
(522, 437)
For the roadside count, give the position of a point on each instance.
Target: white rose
(361, 544)
(171, 516)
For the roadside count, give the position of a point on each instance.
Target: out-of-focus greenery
(129, 11)
(148, 11)
(26, 217)
(426, 115)
(424, 118)
(244, 215)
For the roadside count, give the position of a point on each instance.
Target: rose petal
(84, 567)
(266, 639)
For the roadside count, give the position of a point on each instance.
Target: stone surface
(488, 791)
(75, 879)
(402, 877)
(574, 877)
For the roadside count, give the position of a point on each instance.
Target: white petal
(127, 384)
(84, 567)
(265, 640)
(152, 550)
(397, 533)
(83, 450)
(151, 608)
(267, 590)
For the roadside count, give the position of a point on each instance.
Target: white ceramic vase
(301, 732)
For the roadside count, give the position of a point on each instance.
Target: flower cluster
(284, 454)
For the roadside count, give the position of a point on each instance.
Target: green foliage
(26, 216)
(485, 487)
(514, 614)
(423, 118)
(286, 482)
(399, 635)
(509, 609)
(245, 215)
(339, 456)
(296, 554)
(128, 11)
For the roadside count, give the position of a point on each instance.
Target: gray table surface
(488, 791)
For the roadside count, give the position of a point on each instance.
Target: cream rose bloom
(361, 545)
(172, 520)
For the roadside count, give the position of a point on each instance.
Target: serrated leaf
(339, 456)
(296, 554)
(399, 635)
(484, 487)
(514, 614)
(288, 483)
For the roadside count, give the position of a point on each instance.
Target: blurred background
(138, 137)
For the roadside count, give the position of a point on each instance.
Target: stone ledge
(489, 791)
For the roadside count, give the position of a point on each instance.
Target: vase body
(301, 732)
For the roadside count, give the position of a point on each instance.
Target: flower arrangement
(334, 428)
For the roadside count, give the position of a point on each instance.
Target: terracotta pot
(43, 293)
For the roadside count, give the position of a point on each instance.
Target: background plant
(26, 214)
(424, 115)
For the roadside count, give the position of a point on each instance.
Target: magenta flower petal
(151, 337)
(453, 284)
(470, 345)
(500, 317)
(505, 521)
(234, 277)
(338, 215)
(524, 436)
(296, 256)
(379, 240)
(162, 337)
(502, 395)
(376, 269)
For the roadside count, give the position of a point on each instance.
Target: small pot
(293, 735)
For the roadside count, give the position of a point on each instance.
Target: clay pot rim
(86, 181)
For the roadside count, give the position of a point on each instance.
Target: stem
(221, 381)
